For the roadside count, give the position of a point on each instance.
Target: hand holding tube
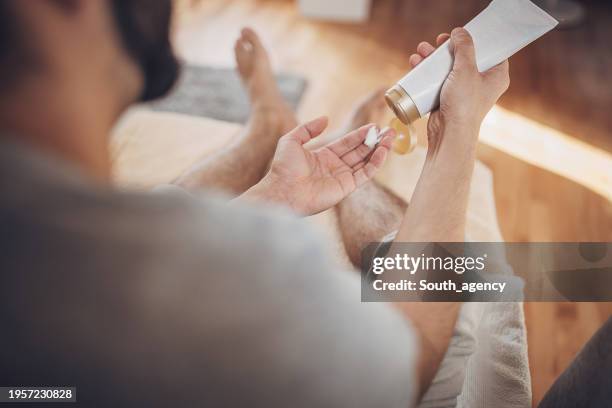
(467, 95)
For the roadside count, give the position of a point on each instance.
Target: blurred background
(548, 145)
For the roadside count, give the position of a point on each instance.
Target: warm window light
(549, 149)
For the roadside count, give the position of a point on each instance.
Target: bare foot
(254, 67)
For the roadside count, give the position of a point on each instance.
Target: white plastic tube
(499, 31)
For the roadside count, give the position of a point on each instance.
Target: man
(178, 299)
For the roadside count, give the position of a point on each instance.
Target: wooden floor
(562, 81)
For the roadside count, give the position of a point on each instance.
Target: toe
(244, 45)
(254, 45)
(243, 59)
(238, 47)
(251, 36)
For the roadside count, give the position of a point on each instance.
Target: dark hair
(144, 26)
(14, 55)
(7, 30)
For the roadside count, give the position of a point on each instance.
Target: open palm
(314, 181)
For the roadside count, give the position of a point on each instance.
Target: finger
(414, 60)
(425, 49)
(499, 71)
(463, 49)
(378, 158)
(386, 142)
(349, 142)
(367, 172)
(388, 138)
(362, 152)
(442, 38)
(356, 156)
(304, 133)
(499, 76)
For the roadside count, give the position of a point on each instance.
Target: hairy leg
(243, 163)
(373, 211)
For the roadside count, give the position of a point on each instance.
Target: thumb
(463, 49)
(304, 133)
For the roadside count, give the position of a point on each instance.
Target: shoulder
(212, 227)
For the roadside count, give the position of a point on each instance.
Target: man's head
(117, 43)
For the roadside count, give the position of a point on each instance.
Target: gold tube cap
(402, 104)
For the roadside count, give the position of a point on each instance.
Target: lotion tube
(499, 31)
